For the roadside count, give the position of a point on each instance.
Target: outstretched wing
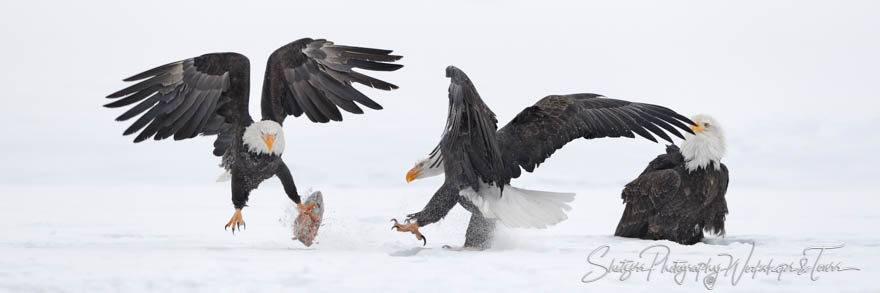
(315, 77)
(538, 131)
(204, 95)
(469, 137)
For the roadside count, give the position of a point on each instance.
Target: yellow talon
(410, 227)
(307, 210)
(236, 222)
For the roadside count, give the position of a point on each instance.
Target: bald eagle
(479, 160)
(681, 193)
(208, 95)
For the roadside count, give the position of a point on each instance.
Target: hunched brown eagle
(681, 193)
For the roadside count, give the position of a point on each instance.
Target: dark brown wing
(538, 131)
(204, 95)
(714, 211)
(315, 77)
(643, 198)
(469, 139)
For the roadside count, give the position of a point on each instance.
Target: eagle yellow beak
(269, 139)
(698, 128)
(412, 174)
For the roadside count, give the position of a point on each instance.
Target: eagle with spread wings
(479, 160)
(208, 95)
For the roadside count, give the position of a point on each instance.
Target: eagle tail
(520, 208)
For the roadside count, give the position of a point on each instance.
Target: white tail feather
(225, 176)
(520, 208)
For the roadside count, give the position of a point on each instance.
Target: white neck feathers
(706, 146)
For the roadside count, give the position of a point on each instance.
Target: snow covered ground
(170, 238)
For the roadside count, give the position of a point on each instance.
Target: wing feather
(315, 77)
(195, 121)
(644, 197)
(647, 194)
(650, 123)
(206, 125)
(180, 98)
(341, 85)
(470, 134)
(184, 126)
(136, 97)
(538, 131)
(139, 108)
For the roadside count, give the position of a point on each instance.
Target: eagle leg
(236, 222)
(410, 227)
(303, 209)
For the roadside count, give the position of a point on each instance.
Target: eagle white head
(425, 168)
(706, 145)
(264, 137)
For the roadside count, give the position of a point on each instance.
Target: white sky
(794, 83)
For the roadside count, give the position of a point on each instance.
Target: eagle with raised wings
(208, 95)
(479, 160)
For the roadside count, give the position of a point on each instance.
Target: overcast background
(794, 83)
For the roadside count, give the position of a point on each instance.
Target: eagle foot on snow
(409, 227)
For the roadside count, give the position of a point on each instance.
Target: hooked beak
(269, 139)
(698, 128)
(412, 174)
